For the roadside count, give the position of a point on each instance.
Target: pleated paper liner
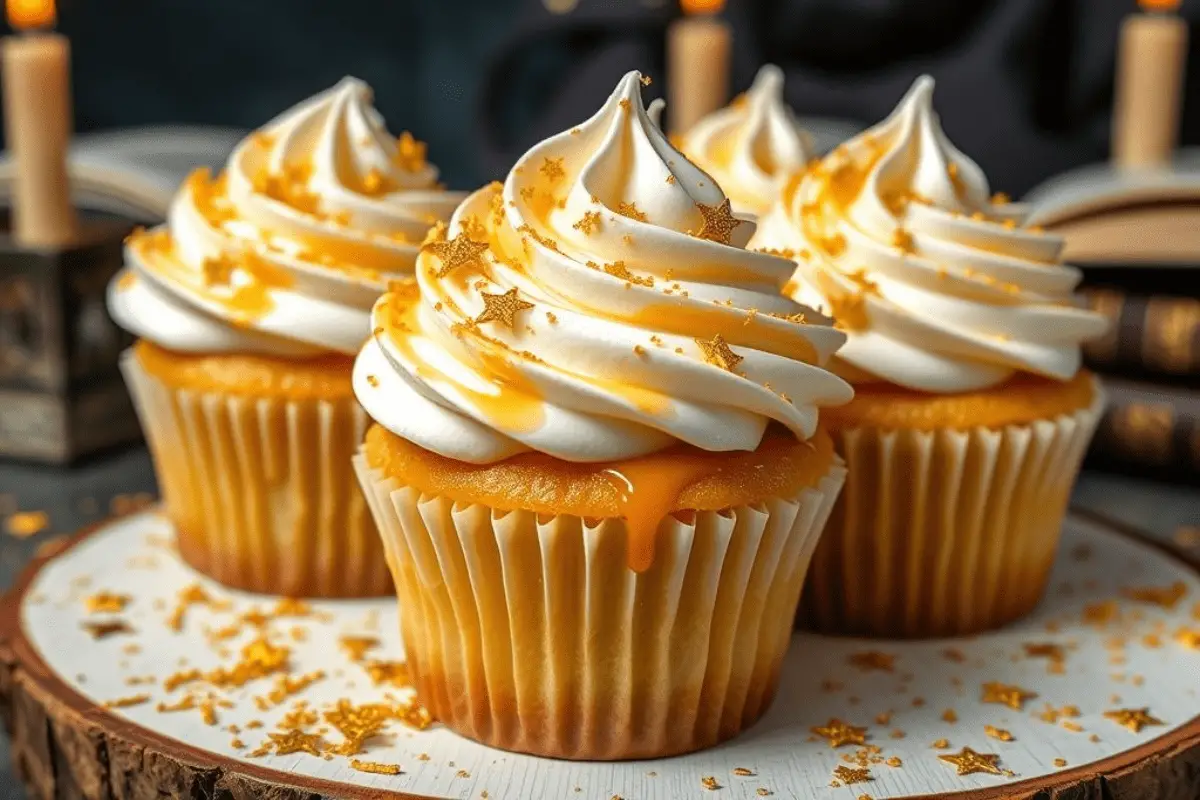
(530, 633)
(261, 489)
(944, 533)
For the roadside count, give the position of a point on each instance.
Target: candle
(698, 47)
(1150, 66)
(37, 124)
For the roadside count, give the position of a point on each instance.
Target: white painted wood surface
(1150, 669)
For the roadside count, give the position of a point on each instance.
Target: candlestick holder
(61, 393)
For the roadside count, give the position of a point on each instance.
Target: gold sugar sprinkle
(356, 647)
(1166, 597)
(941, 744)
(1074, 727)
(998, 733)
(24, 524)
(894, 762)
(237, 744)
(742, 772)
(106, 603)
(127, 702)
(375, 767)
(1060, 762)
(950, 716)
(105, 629)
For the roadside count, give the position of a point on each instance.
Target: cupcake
(971, 413)
(596, 467)
(250, 303)
(753, 146)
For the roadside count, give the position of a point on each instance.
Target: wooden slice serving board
(1119, 613)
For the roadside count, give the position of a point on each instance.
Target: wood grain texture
(65, 746)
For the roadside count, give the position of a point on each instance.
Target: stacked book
(1137, 238)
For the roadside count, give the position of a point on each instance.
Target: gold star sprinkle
(968, 762)
(502, 308)
(718, 353)
(851, 775)
(1002, 694)
(588, 223)
(838, 733)
(457, 252)
(719, 222)
(873, 660)
(1132, 718)
(631, 211)
(106, 603)
(997, 733)
(552, 168)
(1167, 597)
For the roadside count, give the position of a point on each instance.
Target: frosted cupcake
(250, 303)
(971, 414)
(753, 146)
(597, 467)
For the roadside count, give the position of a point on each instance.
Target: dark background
(1025, 86)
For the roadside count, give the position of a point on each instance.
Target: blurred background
(1024, 86)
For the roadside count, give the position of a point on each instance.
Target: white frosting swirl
(285, 252)
(630, 330)
(752, 146)
(940, 288)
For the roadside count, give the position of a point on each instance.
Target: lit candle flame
(1159, 5)
(26, 14)
(702, 6)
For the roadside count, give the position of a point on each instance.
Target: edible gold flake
(852, 775)
(1100, 614)
(894, 762)
(670, 180)
(950, 716)
(631, 211)
(839, 733)
(462, 773)
(646, 80)
(24, 524)
(1074, 727)
(289, 742)
(552, 168)
(709, 782)
(458, 252)
(1003, 694)
(356, 647)
(1189, 638)
(502, 308)
(1166, 597)
(1132, 718)
(128, 702)
(106, 603)
(374, 767)
(763, 791)
(903, 241)
(873, 660)
(719, 222)
(1060, 762)
(940, 744)
(998, 733)
(373, 381)
(106, 628)
(410, 153)
(968, 762)
(189, 596)
(718, 353)
(742, 772)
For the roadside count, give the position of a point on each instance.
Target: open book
(134, 172)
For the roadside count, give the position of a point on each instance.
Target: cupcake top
(598, 305)
(752, 146)
(940, 286)
(286, 250)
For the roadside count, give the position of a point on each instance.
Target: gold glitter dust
(1165, 597)
(718, 353)
(852, 775)
(106, 603)
(940, 744)
(1133, 718)
(356, 647)
(838, 733)
(968, 762)
(873, 660)
(588, 223)
(719, 222)
(107, 628)
(1003, 694)
(552, 168)
(289, 742)
(458, 252)
(24, 524)
(128, 702)
(631, 211)
(709, 782)
(950, 716)
(998, 733)
(502, 308)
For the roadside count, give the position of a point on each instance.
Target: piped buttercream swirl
(940, 286)
(287, 249)
(752, 146)
(598, 305)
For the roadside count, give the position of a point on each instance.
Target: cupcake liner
(260, 489)
(944, 533)
(529, 632)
